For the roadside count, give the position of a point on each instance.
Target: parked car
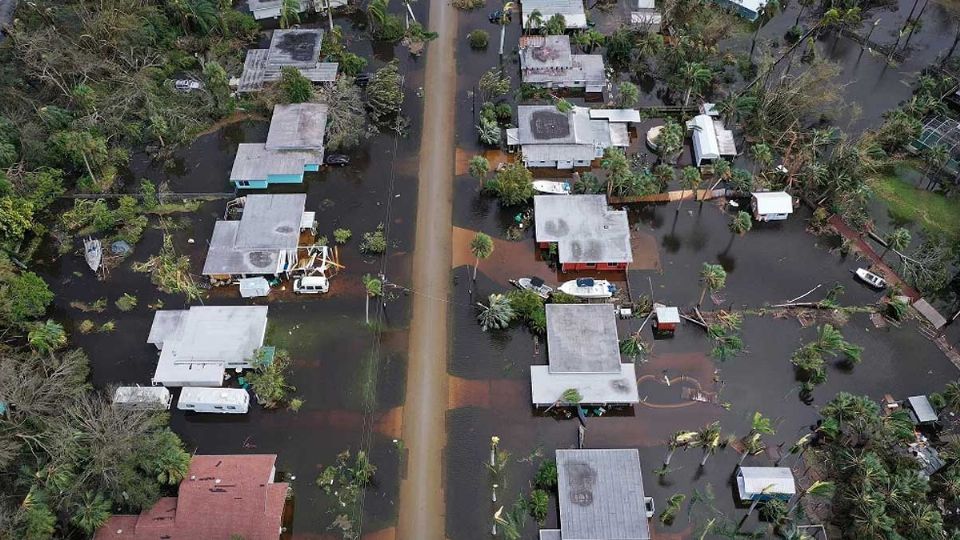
(311, 285)
(187, 85)
(496, 15)
(338, 160)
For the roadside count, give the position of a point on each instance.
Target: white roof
(751, 5)
(765, 482)
(206, 340)
(616, 115)
(773, 202)
(646, 4)
(619, 135)
(218, 396)
(705, 145)
(668, 314)
(618, 388)
(584, 227)
(582, 338)
(513, 136)
(253, 287)
(572, 11)
(297, 126)
(254, 161)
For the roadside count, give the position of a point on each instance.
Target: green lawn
(932, 211)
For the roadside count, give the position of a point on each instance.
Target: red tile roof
(221, 496)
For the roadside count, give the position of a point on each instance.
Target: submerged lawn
(934, 212)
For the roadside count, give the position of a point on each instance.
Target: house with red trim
(222, 497)
(589, 235)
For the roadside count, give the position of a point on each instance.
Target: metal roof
(219, 396)
(255, 162)
(297, 126)
(265, 9)
(572, 11)
(646, 4)
(765, 482)
(550, 534)
(668, 315)
(545, 52)
(582, 338)
(208, 338)
(773, 202)
(705, 145)
(271, 221)
(601, 495)
(559, 152)
(923, 409)
(616, 115)
(295, 47)
(619, 388)
(585, 229)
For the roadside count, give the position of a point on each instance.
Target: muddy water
(350, 376)
(421, 491)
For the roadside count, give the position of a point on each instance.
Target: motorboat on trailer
(534, 284)
(588, 288)
(870, 278)
(552, 187)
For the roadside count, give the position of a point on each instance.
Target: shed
(142, 397)
(923, 411)
(763, 483)
(705, 144)
(601, 495)
(771, 205)
(254, 287)
(667, 318)
(572, 11)
(588, 234)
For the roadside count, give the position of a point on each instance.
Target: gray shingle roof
(585, 229)
(582, 338)
(601, 495)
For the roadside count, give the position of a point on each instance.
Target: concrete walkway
(422, 513)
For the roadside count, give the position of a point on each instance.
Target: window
(231, 407)
(243, 183)
(589, 265)
(218, 407)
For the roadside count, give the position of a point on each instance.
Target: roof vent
(217, 481)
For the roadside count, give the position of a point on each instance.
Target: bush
(351, 64)
(24, 297)
(546, 477)
(479, 39)
(512, 185)
(538, 505)
(341, 236)
(269, 381)
(294, 86)
(469, 5)
(374, 242)
(126, 302)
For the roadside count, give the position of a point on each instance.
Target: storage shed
(771, 205)
(921, 410)
(667, 318)
(763, 483)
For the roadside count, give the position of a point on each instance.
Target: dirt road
(422, 511)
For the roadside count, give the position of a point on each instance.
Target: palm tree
(708, 438)
(497, 314)
(741, 223)
(820, 489)
(47, 337)
(377, 12)
(951, 394)
(406, 4)
(798, 448)
(760, 425)
(330, 15)
(677, 440)
(505, 18)
(289, 12)
(713, 277)
(689, 179)
(762, 155)
(588, 40)
(722, 170)
(479, 168)
(696, 77)
(534, 21)
(481, 247)
(91, 512)
(374, 288)
(936, 157)
(897, 240)
(766, 12)
(664, 173)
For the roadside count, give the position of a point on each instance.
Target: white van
(156, 398)
(214, 400)
(311, 285)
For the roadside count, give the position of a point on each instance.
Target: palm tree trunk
(503, 32)
(679, 206)
(797, 22)
(703, 292)
(796, 503)
(330, 15)
(743, 456)
(89, 170)
(953, 47)
(475, 266)
(669, 456)
(410, 11)
(706, 456)
(367, 310)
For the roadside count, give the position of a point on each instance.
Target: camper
(311, 285)
(214, 400)
(154, 398)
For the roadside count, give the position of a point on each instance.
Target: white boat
(870, 278)
(93, 252)
(534, 284)
(552, 187)
(588, 288)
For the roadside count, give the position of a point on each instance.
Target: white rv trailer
(214, 400)
(142, 397)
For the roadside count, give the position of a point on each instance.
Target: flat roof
(572, 11)
(295, 47)
(923, 409)
(585, 229)
(759, 481)
(223, 258)
(560, 152)
(601, 495)
(618, 388)
(297, 126)
(255, 161)
(219, 396)
(271, 221)
(545, 52)
(773, 202)
(582, 338)
(616, 115)
(141, 394)
(207, 339)
(666, 314)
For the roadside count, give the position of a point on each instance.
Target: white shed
(765, 483)
(214, 400)
(142, 397)
(771, 205)
(254, 287)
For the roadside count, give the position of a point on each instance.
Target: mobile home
(214, 400)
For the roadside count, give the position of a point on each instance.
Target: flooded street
(422, 503)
